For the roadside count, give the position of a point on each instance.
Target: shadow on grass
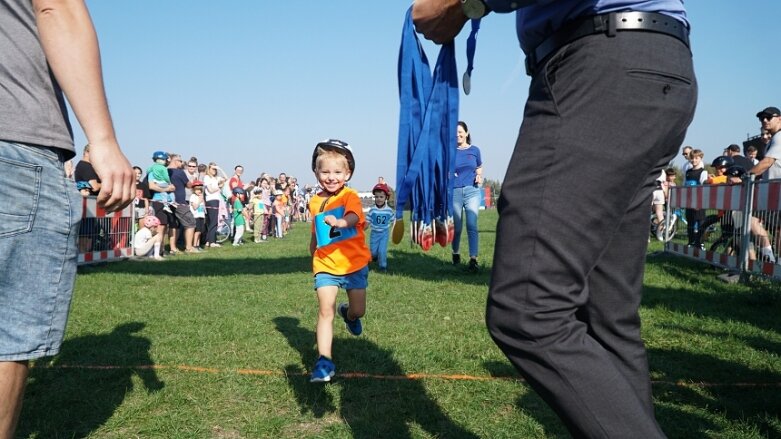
(194, 266)
(529, 402)
(73, 403)
(757, 304)
(422, 266)
(414, 265)
(371, 407)
(740, 394)
(686, 411)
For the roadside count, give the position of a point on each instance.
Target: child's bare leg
(326, 298)
(659, 212)
(356, 300)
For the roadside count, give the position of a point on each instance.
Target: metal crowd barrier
(728, 238)
(105, 236)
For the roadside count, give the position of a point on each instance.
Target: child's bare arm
(349, 220)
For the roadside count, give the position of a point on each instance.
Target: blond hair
(327, 154)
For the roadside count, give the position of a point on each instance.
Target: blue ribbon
(428, 119)
(471, 46)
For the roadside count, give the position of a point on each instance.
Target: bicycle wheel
(665, 232)
(223, 232)
(710, 229)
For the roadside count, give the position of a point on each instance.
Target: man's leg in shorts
(186, 222)
(41, 210)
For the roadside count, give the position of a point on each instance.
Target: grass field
(219, 345)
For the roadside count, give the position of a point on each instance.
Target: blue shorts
(357, 280)
(39, 221)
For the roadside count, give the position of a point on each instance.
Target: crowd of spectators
(193, 203)
(732, 167)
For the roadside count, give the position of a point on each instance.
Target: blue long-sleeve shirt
(536, 20)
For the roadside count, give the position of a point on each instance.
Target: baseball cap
(773, 111)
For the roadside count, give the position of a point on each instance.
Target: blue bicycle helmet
(160, 155)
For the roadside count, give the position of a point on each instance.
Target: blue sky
(259, 83)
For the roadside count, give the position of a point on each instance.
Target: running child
(380, 218)
(340, 257)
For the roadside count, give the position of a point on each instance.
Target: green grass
(241, 322)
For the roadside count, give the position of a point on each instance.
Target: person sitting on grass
(340, 257)
(148, 240)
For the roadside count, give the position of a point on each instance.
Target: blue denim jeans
(39, 222)
(466, 199)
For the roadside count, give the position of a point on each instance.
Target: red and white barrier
(722, 197)
(105, 236)
(762, 199)
(712, 258)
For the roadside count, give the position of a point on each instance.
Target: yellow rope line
(364, 375)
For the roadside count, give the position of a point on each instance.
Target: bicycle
(224, 229)
(665, 230)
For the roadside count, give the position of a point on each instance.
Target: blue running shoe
(324, 370)
(354, 326)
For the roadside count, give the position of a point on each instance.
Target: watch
(475, 8)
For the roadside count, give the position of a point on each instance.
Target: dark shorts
(184, 216)
(200, 225)
(166, 219)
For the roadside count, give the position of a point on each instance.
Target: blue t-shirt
(179, 180)
(536, 22)
(467, 162)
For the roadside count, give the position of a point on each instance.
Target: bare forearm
(763, 165)
(70, 44)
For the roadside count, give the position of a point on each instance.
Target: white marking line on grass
(359, 375)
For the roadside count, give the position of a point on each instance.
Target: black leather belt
(608, 24)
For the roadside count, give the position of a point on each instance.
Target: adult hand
(118, 183)
(438, 20)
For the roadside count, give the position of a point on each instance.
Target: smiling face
(332, 171)
(461, 135)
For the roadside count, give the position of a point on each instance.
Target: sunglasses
(192, 166)
(764, 117)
